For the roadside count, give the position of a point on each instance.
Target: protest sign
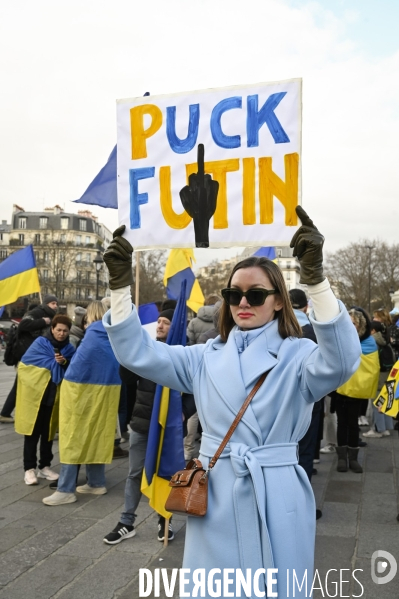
(251, 137)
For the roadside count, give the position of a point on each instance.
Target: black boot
(353, 463)
(342, 453)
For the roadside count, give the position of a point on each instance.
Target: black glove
(118, 258)
(308, 248)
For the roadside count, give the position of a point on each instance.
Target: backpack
(10, 354)
(387, 357)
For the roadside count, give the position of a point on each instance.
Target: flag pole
(166, 533)
(137, 289)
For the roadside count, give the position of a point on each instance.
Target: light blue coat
(261, 509)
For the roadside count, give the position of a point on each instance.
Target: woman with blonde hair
(88, 412)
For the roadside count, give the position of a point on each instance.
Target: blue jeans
(137, 450)
(381, 421)
(67, 481)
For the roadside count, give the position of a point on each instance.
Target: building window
(88, 258)
(78, 292)
(62, 294)
(64, 222)
(46, 256)
(21, 239)
(288, 264)
(279, 253)
(3, 254)
(1, 236)
(79, 277)
(88, 276)
(88, 239)
(288, 275)
(62, 257)
(82, 224)
(78, 239)
(62, 275)
(22, 223)
(63, 238)
(37, 238)
(45, 275)
(78, 257)
(37, 256)
(43, 222)
(87, 293)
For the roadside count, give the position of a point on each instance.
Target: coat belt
(249, 493)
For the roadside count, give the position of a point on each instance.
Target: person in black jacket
(307, 445)
(34, 323)
(143, 392)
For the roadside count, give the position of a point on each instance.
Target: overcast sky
(64, 64)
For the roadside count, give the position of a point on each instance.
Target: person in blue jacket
(261, 509)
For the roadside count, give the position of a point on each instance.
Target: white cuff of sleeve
(325, 304)
(121, 304)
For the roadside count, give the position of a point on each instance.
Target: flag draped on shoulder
(388, 398)
(266, 252)
(165, 453)
(363, 383)
(102, 191)
(35, 370)
(179, 268)
(18, 276)
(89, 401)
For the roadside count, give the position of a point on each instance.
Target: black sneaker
(161, 531)
(120, 533)
(53, 485)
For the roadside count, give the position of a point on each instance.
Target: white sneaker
(372, 434)
(91, 490)
(59, 498)
(362, 421)
(329, 448)
(386, 434)
(316, 461)
(30, 477)
(47, 473)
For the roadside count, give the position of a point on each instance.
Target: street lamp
(370, 249)
(98, 262)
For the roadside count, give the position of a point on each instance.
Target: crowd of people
(93, 379)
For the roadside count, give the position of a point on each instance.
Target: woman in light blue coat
(261, 509)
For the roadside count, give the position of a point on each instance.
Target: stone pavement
(58, 552)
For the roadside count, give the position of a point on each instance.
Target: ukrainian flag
(18, 276)
(266, 252)
(363, 384)
(165, 453)
(178, 269)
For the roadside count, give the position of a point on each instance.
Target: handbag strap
(236, 421)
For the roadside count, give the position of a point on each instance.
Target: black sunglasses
(255, 297)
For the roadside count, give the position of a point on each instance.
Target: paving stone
(47, 578)
(379, 461)
(96, 582)
(44, 515)
(344, 492)
(148, 532)
(36, 548)
(17, 511)
(9, 479)
(375, 536)
(381, 508)
(13, 535)
(378, 482)
(338, 520)
(344, 477)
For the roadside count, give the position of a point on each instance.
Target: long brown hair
(288, 325)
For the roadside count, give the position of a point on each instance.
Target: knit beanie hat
(298, 298)
(167, 314)
(79, 312)
(49, 298)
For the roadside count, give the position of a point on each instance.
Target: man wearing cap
(33, 324)
(307, 445)
(77, 332)
(143, 392)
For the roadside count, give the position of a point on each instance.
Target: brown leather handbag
(189, 493)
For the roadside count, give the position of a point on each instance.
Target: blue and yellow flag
(18, 276)
(388, 398)
(363, 384)
(178, 269)
(89, 401)
(165, 453)
(266, 252)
